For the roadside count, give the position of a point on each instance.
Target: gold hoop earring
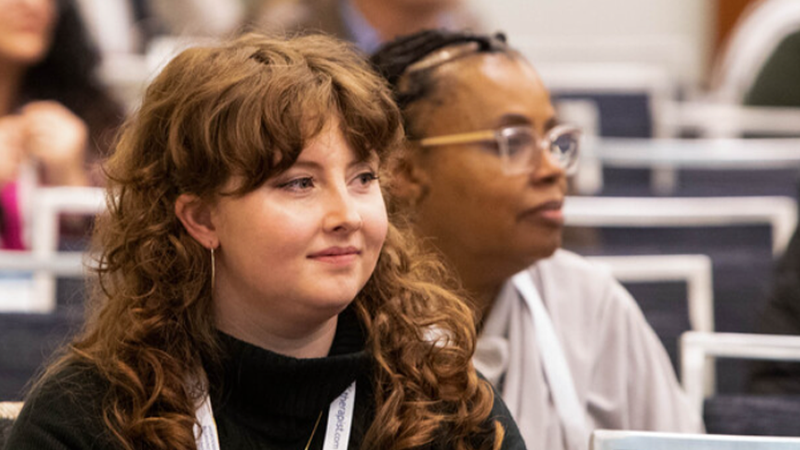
(213, 269)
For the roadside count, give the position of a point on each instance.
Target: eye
(520, 143)
(298, 184)
(564, 144)
(366, 178)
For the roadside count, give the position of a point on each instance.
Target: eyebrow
(356, 161)
(519, 119)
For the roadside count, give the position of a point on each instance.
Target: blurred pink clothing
(12, 219)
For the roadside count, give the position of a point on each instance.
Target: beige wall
(676, 33)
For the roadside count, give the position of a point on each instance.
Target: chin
(28, 55)
(550, 251)
(545, 245)
(540, 254)
(334, 304)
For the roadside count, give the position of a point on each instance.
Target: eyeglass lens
(522, 147)
(564, 147)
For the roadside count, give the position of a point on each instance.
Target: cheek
(479, 189)
(486, 209)
(268, 230)
(376, 221)
(289, 229)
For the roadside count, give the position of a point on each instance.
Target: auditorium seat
(628, 96)
(674, 292)
(738, 413)
(27, 341)
(751, 414)
(698, 167)
(740, 235)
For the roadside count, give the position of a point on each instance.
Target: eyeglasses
(519, 147)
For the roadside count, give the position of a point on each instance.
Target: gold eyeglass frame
(500, 138)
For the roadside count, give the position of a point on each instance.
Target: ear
(411, 179)
(195, 215)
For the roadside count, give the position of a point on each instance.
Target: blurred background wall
(681, 33)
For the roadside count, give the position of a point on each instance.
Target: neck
(484, 289)
(393, 18)
(11, 76)
(306, 340)
(314, 344)
(481, 276)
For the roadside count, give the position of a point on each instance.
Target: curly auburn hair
(247, 108)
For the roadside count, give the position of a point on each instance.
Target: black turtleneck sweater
(269, 401)
(260, 399)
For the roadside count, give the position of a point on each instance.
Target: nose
(33, 7)
(342, 213)
(548, 168)
(34, 3)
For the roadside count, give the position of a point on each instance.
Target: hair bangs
(272, 117)
(262, 120)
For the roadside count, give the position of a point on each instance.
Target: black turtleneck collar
(280, 396)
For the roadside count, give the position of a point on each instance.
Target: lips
(336, 251)
(548, 211)
(336, 255)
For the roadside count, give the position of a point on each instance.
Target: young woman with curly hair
(250, 284)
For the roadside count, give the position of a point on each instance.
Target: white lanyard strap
(337, 433)
(556, 370)
(340, 420)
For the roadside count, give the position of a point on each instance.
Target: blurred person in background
(367, 23)
(761, 66)
(781, 315)
(483, 181)
(196, 18)
(54, 113)
(778, 81)
(760, 62)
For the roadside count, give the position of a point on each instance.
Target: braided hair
(407, 63)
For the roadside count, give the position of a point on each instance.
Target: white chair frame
(725, 120)
(694, 270)
(627, 440)
(780, 213)
(43, 259)
(721, 154)
(615, 78)
(699, 349)
(665, 156)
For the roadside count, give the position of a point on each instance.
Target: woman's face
(25, 30)
(297, 250)
(486, 222)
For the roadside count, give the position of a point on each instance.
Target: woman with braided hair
(483, 180)
(252, 293)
